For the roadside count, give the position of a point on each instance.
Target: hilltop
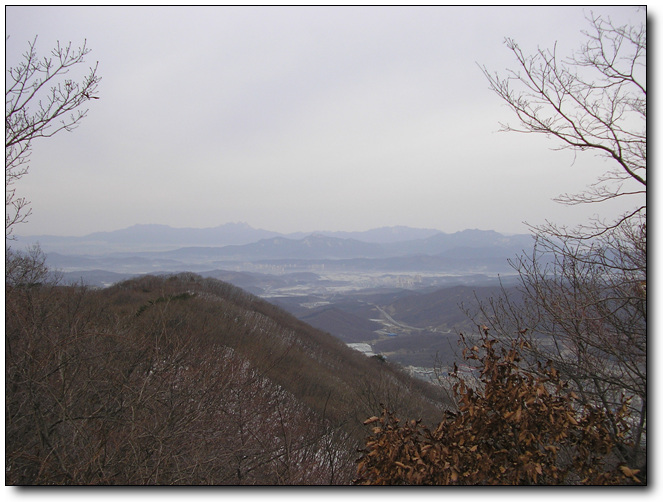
(181, 379)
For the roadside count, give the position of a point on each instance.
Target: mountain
(441, 243)
(169, 248)
(316, 246)
(468, 250)
(382, 235)
(344, 325)
(263, 284)
(443, 308)
(150, 238)
(127, 264)
(342, 262)
(186, 381)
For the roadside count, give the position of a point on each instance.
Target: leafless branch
(592, 101)
(40, 101)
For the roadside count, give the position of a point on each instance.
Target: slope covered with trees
(183, 380)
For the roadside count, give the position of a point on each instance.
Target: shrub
(512, 428)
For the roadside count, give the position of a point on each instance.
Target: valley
(403, 293)
(417, 329)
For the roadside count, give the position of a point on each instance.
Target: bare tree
(26, 268)
(596, 100)
(583, 306)
(582, 300)
(150, 383)
(40, 101)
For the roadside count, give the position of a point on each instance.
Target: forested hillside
(185, 380)
(134, 357)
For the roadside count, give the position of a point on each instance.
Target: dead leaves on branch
(514, 428)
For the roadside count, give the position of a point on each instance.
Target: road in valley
(394, 322)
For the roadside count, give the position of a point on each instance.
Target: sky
(301, 119)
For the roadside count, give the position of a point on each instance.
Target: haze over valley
(395, 291)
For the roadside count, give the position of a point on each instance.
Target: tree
(40, 101)
(565, 401)
(172, 380)
(26, 268)
(584, 307)
(582, 298)
(513, 428)
(596, 100)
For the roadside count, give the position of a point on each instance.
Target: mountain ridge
(458, 245)
(158, 237)
(207, 382)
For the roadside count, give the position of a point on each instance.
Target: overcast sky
(301, 119)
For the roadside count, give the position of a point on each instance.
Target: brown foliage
(582, 304)
(514, 428)
(583, 288)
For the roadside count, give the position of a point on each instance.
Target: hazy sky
(300, 119)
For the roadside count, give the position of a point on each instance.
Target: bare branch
(40, 101)
(592, 101)
(582, 291)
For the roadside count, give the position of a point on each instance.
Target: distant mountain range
(160, 248)
(150, 238)
(243, 241)
(163, 237)
(470, 244)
